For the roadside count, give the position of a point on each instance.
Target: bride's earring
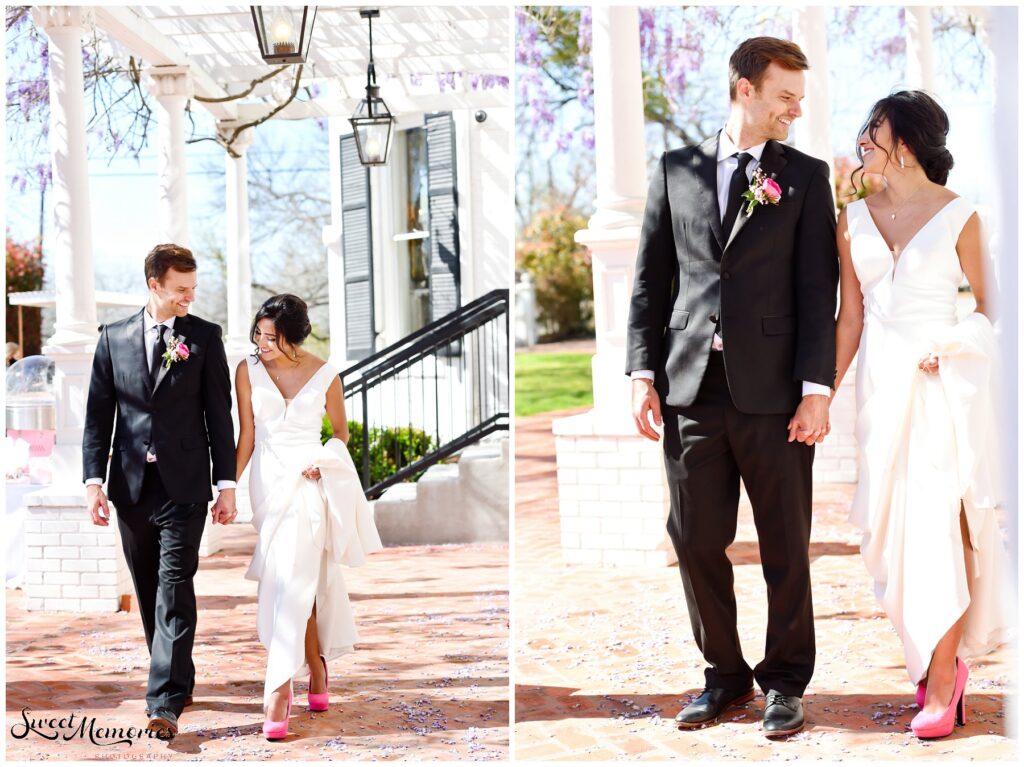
(902, 164)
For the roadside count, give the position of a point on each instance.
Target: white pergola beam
(138, 35)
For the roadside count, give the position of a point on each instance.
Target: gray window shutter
(357, 253)
(444, 215)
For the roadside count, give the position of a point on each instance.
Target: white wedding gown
(307, 529)
(927, 441)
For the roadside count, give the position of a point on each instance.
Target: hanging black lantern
(281, 39)
(372, 123)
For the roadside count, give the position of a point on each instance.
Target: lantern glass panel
(373, 139)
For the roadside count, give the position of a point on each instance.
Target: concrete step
(458, 502)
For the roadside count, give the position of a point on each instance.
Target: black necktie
(158, 351)
(737, 185)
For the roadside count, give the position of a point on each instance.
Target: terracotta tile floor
(429, 679)
(605, 657)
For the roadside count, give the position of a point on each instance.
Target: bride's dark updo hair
(289, 315)
(916, 119)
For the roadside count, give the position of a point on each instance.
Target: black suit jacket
(773, 279)
(188, 414)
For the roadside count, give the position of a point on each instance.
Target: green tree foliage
(560, 268)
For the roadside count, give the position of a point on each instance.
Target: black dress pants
(709, 447)
(161, 545)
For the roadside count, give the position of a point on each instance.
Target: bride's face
(268, 343)
(877, 154)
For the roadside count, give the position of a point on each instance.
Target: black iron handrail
(458, 366)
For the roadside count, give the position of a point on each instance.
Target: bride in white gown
(925, 423)
(308, 506)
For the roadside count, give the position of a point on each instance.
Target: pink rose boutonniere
(762, 191)
(176, 351)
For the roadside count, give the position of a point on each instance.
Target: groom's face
(771, 108)
(172, 296)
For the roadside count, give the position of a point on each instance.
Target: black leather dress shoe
(783, 715)
(709, 705)
(163, 724)
(188, 702)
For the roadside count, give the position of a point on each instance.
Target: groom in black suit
(164, 374)
(731, 343)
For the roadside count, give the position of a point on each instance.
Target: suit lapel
(773, 160)
(181, 331)
(706, 162)
(135, 337)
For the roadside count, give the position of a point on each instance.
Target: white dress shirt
(150, 326)
(727, 162)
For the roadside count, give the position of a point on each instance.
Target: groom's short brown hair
(752, 57)
(168, 256)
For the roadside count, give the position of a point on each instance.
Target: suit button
(725, 275)
(714, 318)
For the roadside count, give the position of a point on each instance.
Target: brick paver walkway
(429, 679)
(605, 658)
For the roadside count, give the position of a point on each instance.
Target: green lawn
(546, 382)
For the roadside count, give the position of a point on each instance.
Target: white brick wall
(613, 499)
(835, 459)
(613, 496)
(72, 565)
(213, 537)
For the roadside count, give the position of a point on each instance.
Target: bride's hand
(929, 364)
(311, 472)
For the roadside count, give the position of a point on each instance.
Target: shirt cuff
(647, 375)
(225, 484)
(816, 388)
(94, 481)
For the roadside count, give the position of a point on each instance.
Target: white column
(999, 32)
(613, 232)
(70, 564)
(612, 495)
(239, 262)
(71, 247)
(331, 238)
(920, 62)
(172, 87)
(618, 119)
(75, 331)
(814, 128)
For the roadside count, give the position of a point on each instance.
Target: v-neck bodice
(921, 285)
(288, 422)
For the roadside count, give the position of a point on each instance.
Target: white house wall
(484, 162)
(485, 199)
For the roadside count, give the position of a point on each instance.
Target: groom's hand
(224, 510)
(645, 401)
(810, 422)
(97, 500)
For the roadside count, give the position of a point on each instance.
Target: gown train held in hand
(927, 442)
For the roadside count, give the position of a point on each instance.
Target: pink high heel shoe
(318, 700)
(940, 725)
(922, 689)
(278, 730)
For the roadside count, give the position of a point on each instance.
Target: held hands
(311, 472)
(97, 500)
(929, 364)
(224, 510)
(810, 423)
(646, 404)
